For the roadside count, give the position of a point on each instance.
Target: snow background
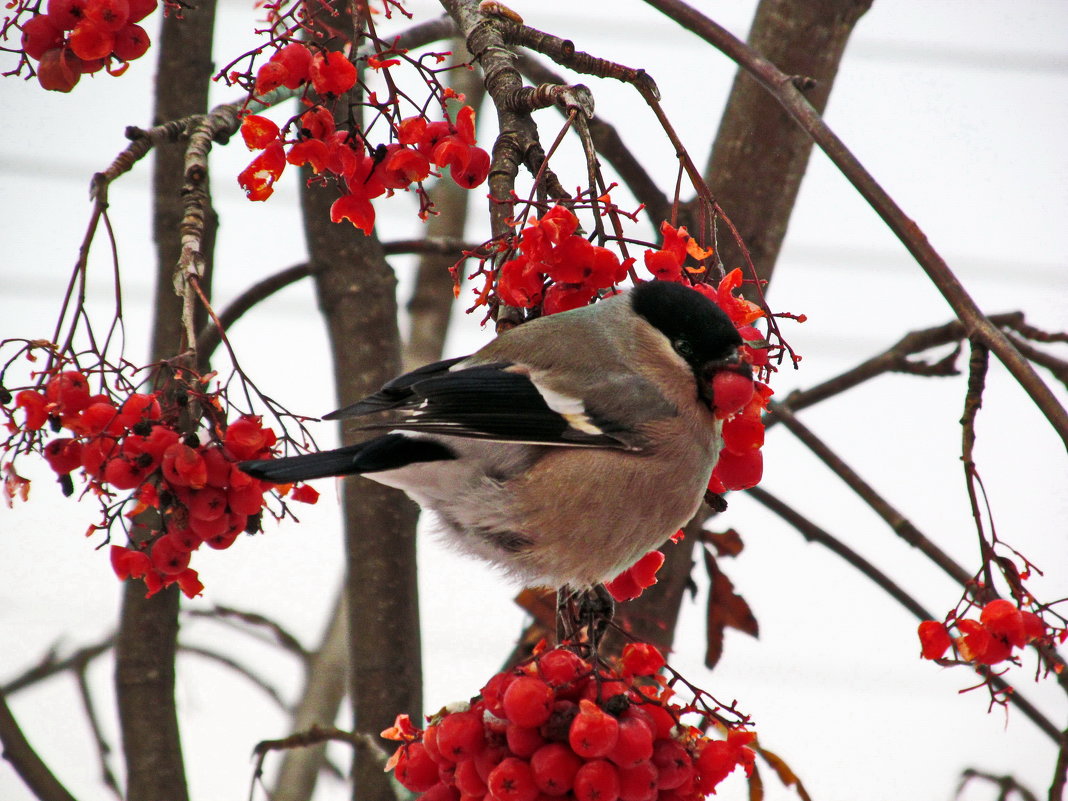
(956, 107)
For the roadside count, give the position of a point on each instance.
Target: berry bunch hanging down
(560, 727)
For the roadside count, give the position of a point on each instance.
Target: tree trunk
(760, 154)
(357, 295)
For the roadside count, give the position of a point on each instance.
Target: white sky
(957, 107)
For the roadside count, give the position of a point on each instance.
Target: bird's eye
(683, 348)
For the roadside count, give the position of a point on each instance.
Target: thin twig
(279, 636)
(882, 507)
(27, 764)
(782, 87)
(813, 533)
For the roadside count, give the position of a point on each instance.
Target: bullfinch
(566, 448)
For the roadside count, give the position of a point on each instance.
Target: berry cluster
(365, 172)
(989, 640)
(739, 402)
(79, 37)
(558, 728)
(185, 491)
(557, 268)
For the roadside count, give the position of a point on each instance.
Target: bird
(562, 451)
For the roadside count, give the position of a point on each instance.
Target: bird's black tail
(340, 462)
(388, 452)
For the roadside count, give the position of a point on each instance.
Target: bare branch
(882, 507)
(813, 533)
(29, 766)
(50, 666)
(783, 88)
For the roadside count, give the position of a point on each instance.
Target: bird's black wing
(499, 401)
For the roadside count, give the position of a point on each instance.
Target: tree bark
(146, 643)
(760, 155)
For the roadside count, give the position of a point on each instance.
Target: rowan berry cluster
(80, 37)
(557, 269)
(739, 402)
(1001, 627)
(185, 488)
(365, 171)
(557, 727)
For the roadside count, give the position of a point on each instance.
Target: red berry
(674, 763)
(415, 769)
(318, 123)
(430, 740)
(68, 391)
(39, 34)
(739, 471)
(184, 467)
(641, 659)
(934, 639)
(1034, 626)
(432, 134)
(63, 455)
(332, 73)
(467, 779)
(246, 438)
(561, 666)
(714, 764)
(98, 417)
(638, 783)
(523, 741)
(1003, 619)
(635, 743)
(89, 41)
(110, 15)
(593, 732)
(35, 404)
(131, 42)
(139, 9)
(186, 538)
(554, 766)
(493, 693)
(66, 13)
(169, 556)
(465, 124)
(125, 474)
(528, 701)
(512, 780)
(270, 76)
(218, 467)
(96, 452)
(742, 434)
(731, 392)
(475, 172)
(245, 500)
(451, 151)
(297, 59)
(207, 503)
(460, 736)
(489, 758)
(597, 781)
(139, 407)
(440, 792)
(410, 130)
(663, 720)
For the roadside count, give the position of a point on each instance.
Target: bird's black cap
(699, 330)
